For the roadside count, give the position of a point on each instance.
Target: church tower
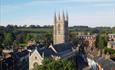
(60, 28)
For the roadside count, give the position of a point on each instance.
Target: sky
(91, 13)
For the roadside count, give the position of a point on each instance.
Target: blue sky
(41, 12)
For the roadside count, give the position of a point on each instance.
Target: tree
(48, 39)
(21, 37)
(51, 64)
(105, 38)
(36, 37)
(8, 41)
(32, 26)
(16, 43)
(109, 50)
(9, 28)
(29, 37)
(72, 36)
(113, 30)
(101, 41)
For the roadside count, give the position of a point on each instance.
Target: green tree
(50, 64)
(36, 37)
(101, 41)
(19, 37)
(8, 41)
(16, 43)
(1, 39)
(109, 50)
(28, 37)
(113, 30)
(48, 39)
(105, 39)
(72, 36)
(9, 28)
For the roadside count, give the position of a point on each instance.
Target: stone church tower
(60, 29)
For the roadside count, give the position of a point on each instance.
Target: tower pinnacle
(59, 16)
(63, 16)
(66, 15)
(55, 17)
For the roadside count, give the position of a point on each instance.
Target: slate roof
(18, 55)
(8, 60)
(46, 51)
(12, 62)
(81, 61)
(62, 47)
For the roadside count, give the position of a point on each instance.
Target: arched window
(59, 28)
(35, 65)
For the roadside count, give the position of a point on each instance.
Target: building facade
(89, 40)
(111, 41)
(60, 29)
(111, 44)
(111, 37)
(35, 59)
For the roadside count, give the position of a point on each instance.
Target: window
(35, 57)
(35, 65)
(58, 28)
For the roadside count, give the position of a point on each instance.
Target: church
(60, 49)
(34, 54)
(60, 29)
